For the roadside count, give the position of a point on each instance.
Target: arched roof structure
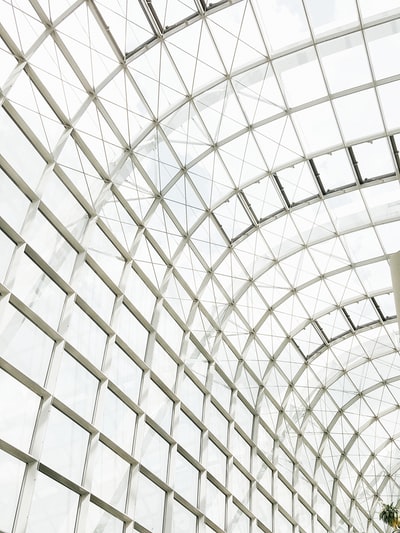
(198, 206)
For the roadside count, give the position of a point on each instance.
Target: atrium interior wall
(199, 203)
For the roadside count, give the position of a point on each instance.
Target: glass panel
(217, 423)
(261, 471)
(347, 212)
(386, 305)
(7, 247)
(89, 45)
(12, 140)
(159, 406)
(362, 245)
(169, 330)
(284, 25)
(282, 523)
(385, 233)
(303, 517)
(240, 449)
(129, 26)
(125, 373)
(243, 416)
(353, 121)
(369, 8)
(154, 452)
(237, 35)
(24, 345)
(335, 169)
(94, 291)
(35, 110)
(188, 435)
(258, 92)
(106, 254)
(264, 198)
(232, 217)
(118, 220)
(240, 486)
(298, 183)
(150, 501)
(262, 508)
(317, 128)
(131, 330)
(139, 294)
(240, 522)
(86, 336)
(64, 205)
(362, 313)
(99, 520)
(76, 386)
(374, 159)
(13, 203)
(11, 475)
(216, 461)
(215, 504)
(387, 97)
(38, 291)
(191, 396)
(337, 15)
(284, 495)
(18, 410)
(171, 11)
(51, 246)
(195, 56)
(183, 520)
(382, 40)
(345, 62)
(301, 77)
(110, 474)
(118, 421)
(220, 389)
(164, 365)
(186, 479)
(65, 446)
(50, 502)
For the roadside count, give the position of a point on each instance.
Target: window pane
(118, 420)
(125, 373)
(76, 386)
(86, 335)
(215, 504)
(154, 453)
(11, 475)
(24, 345)
(65, 446)
(50, 502)
(183, 520)
(186, 479)
(110, 475)
(99, 520)
(7, 249)
(18, 411)
(188, 435)
(159, 406)
(149, 506)
(38, 291)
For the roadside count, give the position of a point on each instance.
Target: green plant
(390, 515)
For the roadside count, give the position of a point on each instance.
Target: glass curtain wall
(198, 205)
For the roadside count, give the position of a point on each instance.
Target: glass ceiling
(198, 203)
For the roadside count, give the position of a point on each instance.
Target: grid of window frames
(181, 275)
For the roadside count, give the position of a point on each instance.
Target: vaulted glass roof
(198, 205)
